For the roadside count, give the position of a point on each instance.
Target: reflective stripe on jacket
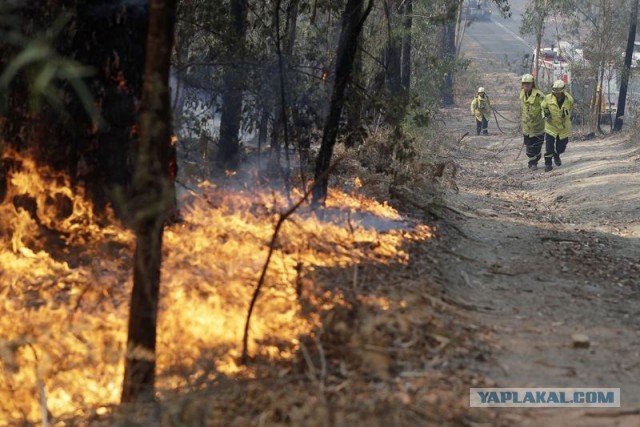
(559, 125)
(481, 107)
(532, 118)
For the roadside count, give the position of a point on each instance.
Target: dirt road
(538, 257)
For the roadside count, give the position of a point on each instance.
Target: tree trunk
(449, 49)
(355, 100)
(393, 54)
(622, 96)
(263, 134)
(460, 28)
(541, 10)
(406, 46)
(352, 20)
(600, 97)
(284, 57)
(229, 150)
(153, 197)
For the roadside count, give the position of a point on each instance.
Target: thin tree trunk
(538, 49)
(291, 29)
(352, 20)
(449, 49)
(542, 15)
(153, 199)
(460, 28)
(624, 83)
(393, 53)
(595, 103)
(406, 46)
(283, 65)
(355, 99)
(229, 151)
(273, 166)
(600, 97)
(263, 133)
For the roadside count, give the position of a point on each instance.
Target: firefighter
(532, 120)
(481, 109)
(556, 110)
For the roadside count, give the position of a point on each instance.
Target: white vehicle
(549, 67)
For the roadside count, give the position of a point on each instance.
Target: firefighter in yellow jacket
(532, 120)
(556, 110)
(481, 109)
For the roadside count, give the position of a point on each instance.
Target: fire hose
(496, 119)
(499, 128)
(519, 152)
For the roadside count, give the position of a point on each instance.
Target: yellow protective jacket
(559, 125)
(481, 107)
(532, 118)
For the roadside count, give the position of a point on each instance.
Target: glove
(547, 114)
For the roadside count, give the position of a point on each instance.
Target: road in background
(497, 40)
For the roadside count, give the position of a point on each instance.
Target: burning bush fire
(65, 279)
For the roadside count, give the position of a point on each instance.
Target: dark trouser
(554, 146)
(482, 125)
(534, 147)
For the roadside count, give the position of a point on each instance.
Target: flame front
(65, 298)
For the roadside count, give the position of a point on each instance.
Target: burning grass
(65, 282)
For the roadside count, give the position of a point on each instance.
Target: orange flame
(63, 319)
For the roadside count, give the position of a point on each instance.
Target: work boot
(533, 166)
(485, 133)
(548, 168)
(556, 159)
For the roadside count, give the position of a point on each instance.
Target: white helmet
(480, 90)
(527, 78)
(558, 86)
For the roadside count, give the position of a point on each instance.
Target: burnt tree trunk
(352, 20)
(152, 200)
(624, 83)
(229, 150)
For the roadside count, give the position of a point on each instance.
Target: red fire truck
(567, 63)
